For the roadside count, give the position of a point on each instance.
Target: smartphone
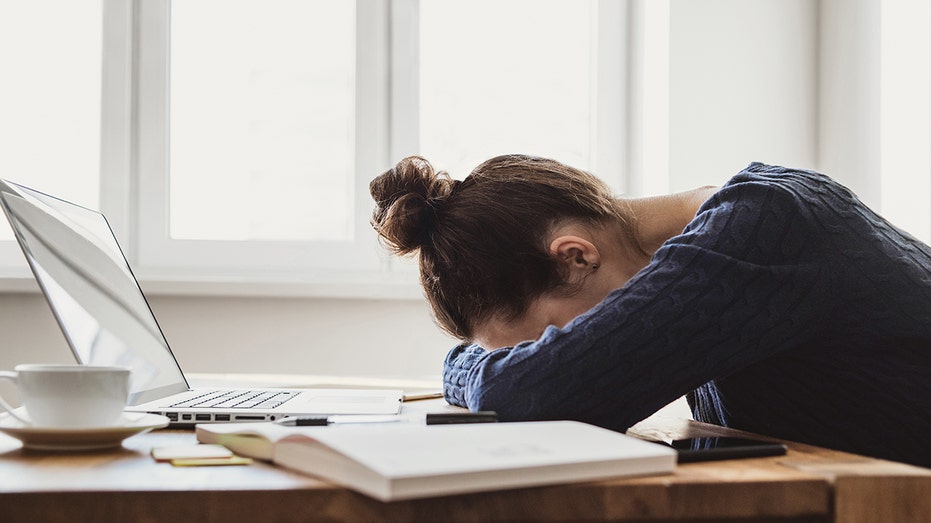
(716, 448)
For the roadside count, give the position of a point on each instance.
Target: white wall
(875, 105)
(849, 111)
(273, 335)
(743, 83)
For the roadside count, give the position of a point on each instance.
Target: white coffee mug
(69, 396)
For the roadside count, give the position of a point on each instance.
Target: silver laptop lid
(91, 289)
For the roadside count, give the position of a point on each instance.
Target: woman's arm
(458, 362)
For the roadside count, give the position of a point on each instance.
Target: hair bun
(408, 200)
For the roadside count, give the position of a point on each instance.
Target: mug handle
(5, 374)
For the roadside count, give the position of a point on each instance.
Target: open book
(406, 460)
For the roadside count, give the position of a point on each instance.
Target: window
(500, 77)
(249, 159)
(234, 140)
(257, 139)
(261, 121)
(50, 102)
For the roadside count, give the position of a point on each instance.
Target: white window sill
(373, 286)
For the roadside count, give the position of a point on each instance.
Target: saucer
(83, 438)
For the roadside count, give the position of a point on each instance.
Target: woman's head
(484, 241)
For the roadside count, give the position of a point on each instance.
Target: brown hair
(483, 241)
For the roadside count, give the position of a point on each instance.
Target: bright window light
(506, 77)
(50, 55)
(262, 119)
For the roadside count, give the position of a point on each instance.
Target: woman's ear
(580, 255)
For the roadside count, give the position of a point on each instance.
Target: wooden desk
(806, 485)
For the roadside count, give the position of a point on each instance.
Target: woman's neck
(659, 218)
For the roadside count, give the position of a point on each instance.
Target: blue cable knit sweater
(786, 307)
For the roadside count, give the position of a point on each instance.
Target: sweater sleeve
(455, 370)
(739, 285)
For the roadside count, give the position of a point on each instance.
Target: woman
(780, 304)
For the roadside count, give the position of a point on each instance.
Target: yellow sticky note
(211, 462)
(200, 451)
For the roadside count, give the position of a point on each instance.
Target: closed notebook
(403, 461)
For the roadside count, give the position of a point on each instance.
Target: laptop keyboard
(238, 399)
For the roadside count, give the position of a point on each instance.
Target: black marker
(452, 418)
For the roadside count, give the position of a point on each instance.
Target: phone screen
(715, 448)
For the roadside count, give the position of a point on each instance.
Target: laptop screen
(91, 289)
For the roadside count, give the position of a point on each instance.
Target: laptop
(106, 319)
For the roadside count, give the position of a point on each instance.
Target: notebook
(106, 319)
(410, 460)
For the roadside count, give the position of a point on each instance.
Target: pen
(320, 421)
(417, 396)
